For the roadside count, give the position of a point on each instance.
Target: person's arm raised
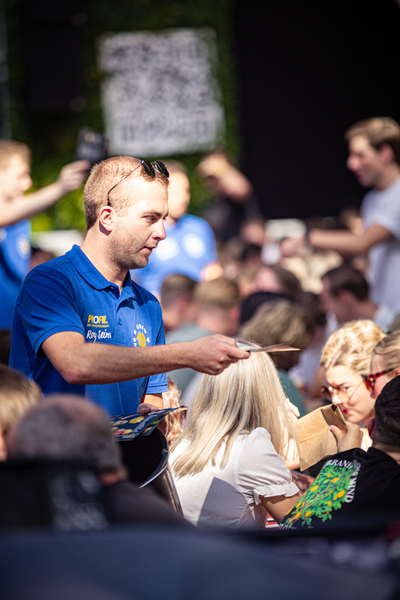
(348, 243)
(85, 363)
(71, 177)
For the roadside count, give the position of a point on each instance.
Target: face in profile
(350, 394)
(178, 195)
(365, 162)
(378, 366)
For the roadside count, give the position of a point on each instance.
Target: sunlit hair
(104, 176)
(9, 148)
(279, 322)
(378, 131)
(175, 420)
(217, 293)
(17, 394)
(352, 345)
(245, 396)
(389, 349)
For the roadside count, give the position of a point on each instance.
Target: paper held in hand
(316, 439)
(275, 348)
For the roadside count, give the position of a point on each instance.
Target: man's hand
(213, 354)
(145, 408)
(72, 176)
(347, 440)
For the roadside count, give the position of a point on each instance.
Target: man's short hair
(217, 293)
(104, 176)
(378, 131)
(9, 148)
(66, 427)
(175, 286)
(17, 395)
(387, 415)
(346, 277)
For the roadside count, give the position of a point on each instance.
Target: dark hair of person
(253, 301)
(387, 415)
(346, 277)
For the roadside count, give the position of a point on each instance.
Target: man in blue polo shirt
(16, 208)
(81, 325)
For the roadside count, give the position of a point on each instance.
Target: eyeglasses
(150, 170)
(328, 391)
(369, 380)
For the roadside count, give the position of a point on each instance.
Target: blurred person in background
(345, 294)
(374, 158)
(236, 201)
(216, 310)
(189, 248)
(281, 322)
(17, 395)
(176, 300)
(346, 357)
(15, 210)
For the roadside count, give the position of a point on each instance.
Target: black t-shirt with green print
(349, 483)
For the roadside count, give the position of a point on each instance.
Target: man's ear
(371, 428)
(386, 153)
(106, 218)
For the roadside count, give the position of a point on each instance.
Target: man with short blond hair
(16, 208)
(81, 325)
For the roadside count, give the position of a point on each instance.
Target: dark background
(308, 70)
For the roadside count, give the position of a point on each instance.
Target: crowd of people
(161, 309)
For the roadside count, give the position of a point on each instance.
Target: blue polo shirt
(69, 294)
(15, 252)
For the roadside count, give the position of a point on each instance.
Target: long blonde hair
(389, 349)
(351, 346)
(245, 396)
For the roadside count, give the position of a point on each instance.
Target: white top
(230, 497)
(382, 207)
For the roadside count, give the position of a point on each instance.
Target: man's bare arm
(83, 364)
(70, 178)
(348, 243)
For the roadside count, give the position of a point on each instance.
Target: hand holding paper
(347, 440)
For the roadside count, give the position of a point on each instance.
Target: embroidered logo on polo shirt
(97, 321)
(140, 337)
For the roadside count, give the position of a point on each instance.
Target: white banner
(160, 96)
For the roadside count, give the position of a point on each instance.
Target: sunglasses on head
(150, 170)
(369, 380)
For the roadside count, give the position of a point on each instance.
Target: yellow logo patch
(97, 321)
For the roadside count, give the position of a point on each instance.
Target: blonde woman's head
(346, 356)
(245, 396)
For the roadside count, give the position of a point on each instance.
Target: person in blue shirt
(190, 248)
(81, 325)
(15, 210)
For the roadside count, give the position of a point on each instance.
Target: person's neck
(100, 259)
(393, 452)
(113, 477)
(388, 176)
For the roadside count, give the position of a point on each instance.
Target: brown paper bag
(316, 439)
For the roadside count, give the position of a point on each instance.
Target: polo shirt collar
(92, 276)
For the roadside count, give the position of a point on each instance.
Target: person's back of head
(387, 417)
(346, 277)
(66, 427)
(217, 305)
(274, 278)
(17, 395)
(176, 298)
(280, 322)
(379, 131)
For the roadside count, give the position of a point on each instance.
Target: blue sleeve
(47, 306)
(158, 383)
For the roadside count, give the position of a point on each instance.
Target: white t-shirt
(230, 497)
(382, 207)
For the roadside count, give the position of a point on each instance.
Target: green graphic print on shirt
(334, 485)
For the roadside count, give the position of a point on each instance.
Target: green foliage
(52, 138)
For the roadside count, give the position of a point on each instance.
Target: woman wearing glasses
(385, 364)
(346, 357)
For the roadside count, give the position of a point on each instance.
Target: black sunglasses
(150, 170)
